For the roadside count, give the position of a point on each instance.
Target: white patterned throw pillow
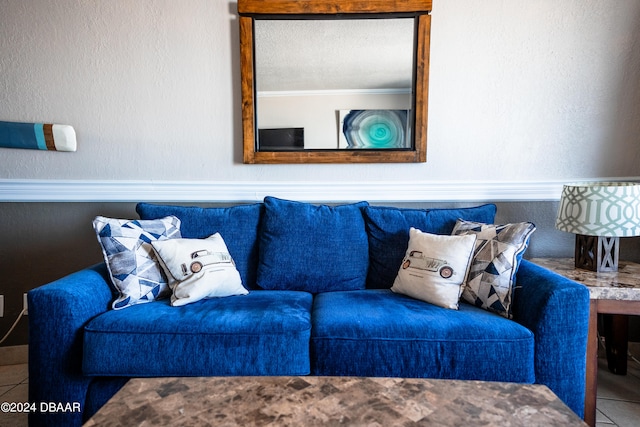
(492, 276)
(434, 268)
(198, 269)
(130, 259)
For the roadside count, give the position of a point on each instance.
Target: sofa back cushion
(238, 226)
(313, 248)
(388, 233)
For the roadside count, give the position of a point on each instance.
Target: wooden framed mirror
(341, 81)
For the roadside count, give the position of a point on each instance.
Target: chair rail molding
(34, 190)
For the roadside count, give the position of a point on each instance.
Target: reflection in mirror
(340, 81)
(346, 83)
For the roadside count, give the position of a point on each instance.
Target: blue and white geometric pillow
(133, 267)
(497, 255)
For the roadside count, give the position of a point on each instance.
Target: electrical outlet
(1, 305)
(25, 305)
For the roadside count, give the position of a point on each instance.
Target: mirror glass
(334, 84)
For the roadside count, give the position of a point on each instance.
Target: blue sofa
(319, 303)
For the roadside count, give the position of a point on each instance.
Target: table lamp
(599, 213)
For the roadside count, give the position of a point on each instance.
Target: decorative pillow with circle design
(130, 259)
(497, 255)
(434, 268)
(198, 269)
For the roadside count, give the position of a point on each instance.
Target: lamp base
(597, 253)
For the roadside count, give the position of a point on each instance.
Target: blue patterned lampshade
(599, 213)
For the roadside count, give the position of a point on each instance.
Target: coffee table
(312, 401)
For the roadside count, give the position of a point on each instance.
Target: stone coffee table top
(312, 401)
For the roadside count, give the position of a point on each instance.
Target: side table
(611, 293)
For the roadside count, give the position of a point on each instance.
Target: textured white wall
(519, 91)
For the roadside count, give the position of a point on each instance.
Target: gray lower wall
(41, 242)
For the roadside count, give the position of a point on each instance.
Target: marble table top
(313, 401)
(623, 285)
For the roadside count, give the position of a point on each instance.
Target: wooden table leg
(592, 366)
(616, 332)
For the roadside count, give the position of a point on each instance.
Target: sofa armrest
(556, 310)
(57, 313)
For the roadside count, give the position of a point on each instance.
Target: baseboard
(14, 355)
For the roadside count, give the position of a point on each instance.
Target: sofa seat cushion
(262, 333)
(381, 334)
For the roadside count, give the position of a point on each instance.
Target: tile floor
(14, 387)
(618, 396)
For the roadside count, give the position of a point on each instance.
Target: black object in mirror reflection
(281, 139)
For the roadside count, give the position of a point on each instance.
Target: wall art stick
(37, 136)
